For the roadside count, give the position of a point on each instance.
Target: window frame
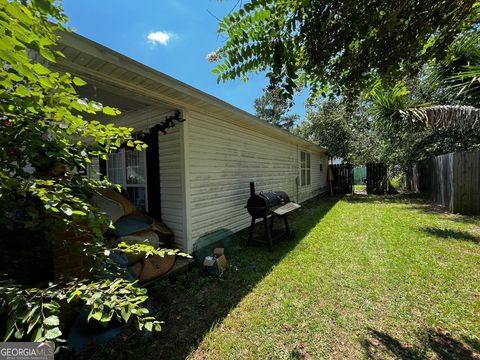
(123, 168)
(305, 168)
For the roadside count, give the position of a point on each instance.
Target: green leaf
(40, 69)
(149, 326)
(19, 333)
(33, 323)
(67, 210)
(107, 110)
(18, 11)
(37, 334)
(9, 333)
(53, 333)
(52, 321)
(97, 315)
(32, 311)
(125, 314)
(47, 54)
(22, 90)
(78, 81)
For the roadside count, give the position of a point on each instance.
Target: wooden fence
(451, 180)
(342, 178)
(376, 178)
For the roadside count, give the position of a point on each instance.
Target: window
(321, 167)
(93, 170)
(305, 172)
(128, 169)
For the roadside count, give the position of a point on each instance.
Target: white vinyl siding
(172, 194)
(318, 177)
(224, 158)
(140, 120)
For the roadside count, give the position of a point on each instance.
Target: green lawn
(367, 277)
(360, 187)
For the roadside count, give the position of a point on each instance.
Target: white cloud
(160, 37)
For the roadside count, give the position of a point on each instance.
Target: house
(196, 175)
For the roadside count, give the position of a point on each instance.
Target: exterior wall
(206, 165)
(140, 120)
(172, 192)
(224, 156)
(171, 184)
(318, 178)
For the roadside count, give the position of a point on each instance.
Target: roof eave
(104, 53)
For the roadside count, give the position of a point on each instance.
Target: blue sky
(182, 33)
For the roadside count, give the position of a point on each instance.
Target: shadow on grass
(436, 209)
(395, 198)
(438, 342)
(452, 234)
(193, 303)
(414, 202)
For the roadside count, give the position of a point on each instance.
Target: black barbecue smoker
(273, 204)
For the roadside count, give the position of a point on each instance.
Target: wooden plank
(451, 180)
(376, 178)
(342, 178)
(467, 188)
(285, 209)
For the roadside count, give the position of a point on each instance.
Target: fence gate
(359, 175)
(342, 178)
(376, 178)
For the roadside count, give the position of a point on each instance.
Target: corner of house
(185, 158)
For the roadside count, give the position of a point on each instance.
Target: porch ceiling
(102, 94)
(108, 82)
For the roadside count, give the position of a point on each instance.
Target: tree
(457, 75)
(327, 124)
(272, 108)
(367, 146)
(432, 113)
(345, 131)
(413, 130)
(451, 80)
(46, 144)
(338, 46)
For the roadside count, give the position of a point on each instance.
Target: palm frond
(460, 72)
(391, 108)
(445, 116)
(468, 81)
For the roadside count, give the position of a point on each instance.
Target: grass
(367, 277)
(360, 187)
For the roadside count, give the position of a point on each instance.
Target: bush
(45, 146)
